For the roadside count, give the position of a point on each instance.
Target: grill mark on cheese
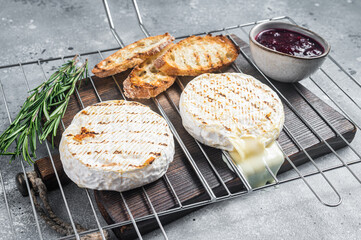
(134, 141)
(146, 163)
(124, 120)
(134, 131)
(84, 133)
(144, 124)
(157, 154)
(116, 103)
(153, 123)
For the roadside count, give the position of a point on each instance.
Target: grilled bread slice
(146, 81)
(196, 55)
(131, 55)
(116, 145)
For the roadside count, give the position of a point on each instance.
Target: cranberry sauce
(290, 42)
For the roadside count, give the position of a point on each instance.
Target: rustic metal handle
(45, 171)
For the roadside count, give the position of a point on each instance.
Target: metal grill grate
(242, 28)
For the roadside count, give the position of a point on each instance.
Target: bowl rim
(253, 40)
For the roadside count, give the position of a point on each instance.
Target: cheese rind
(116, 145)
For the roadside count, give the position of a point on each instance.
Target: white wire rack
(155, 215)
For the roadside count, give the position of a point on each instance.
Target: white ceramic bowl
(281, 66)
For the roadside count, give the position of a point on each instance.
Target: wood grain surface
(182, 176)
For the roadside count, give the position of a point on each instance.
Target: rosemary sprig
(47, 102)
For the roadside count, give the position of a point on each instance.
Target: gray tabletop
(33, 29)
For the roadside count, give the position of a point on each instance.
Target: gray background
(32, 29)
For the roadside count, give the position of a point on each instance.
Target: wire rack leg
(131, 217)
(56, 174)
(176, 135)
(321, 116)
(290, 134)
(337, 133)
(86, 190)
(228, 158)
(26, 180)
(165, 175)
(123, 199)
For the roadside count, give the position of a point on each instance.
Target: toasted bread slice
(146, 81)
(196, 55)
(131, 55)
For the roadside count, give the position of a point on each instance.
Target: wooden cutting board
(180, 173)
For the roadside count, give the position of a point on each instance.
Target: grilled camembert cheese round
(237, 113)
(116, 145)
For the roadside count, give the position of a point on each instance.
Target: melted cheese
(252, 157)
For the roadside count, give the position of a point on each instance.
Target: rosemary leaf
(15, 132)
(48, 101)
(45, 111)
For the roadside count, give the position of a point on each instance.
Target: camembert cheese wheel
(116, 145)
(237, 113)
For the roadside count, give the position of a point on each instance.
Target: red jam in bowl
(290, 42)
